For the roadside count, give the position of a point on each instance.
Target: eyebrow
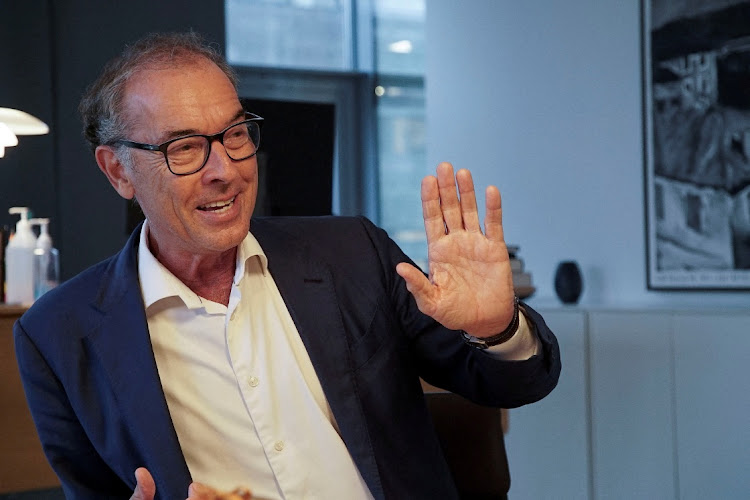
(174, 134)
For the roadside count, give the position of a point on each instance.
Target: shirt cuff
(521, 346)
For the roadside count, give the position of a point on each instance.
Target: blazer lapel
(123, 346)
(307, 287)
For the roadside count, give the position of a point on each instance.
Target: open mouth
(218, 207)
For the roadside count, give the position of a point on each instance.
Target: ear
(116, 173)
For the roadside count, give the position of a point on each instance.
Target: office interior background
(542, 99)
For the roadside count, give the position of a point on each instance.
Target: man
(285, 360)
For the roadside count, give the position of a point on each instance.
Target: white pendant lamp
(7, 137)
(22, 123)
(13, 123)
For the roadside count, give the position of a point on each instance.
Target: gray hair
(101, 105)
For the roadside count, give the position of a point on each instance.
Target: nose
(219, 166)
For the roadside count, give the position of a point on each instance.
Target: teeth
(217, 205)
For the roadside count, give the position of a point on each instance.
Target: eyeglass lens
(191, 153)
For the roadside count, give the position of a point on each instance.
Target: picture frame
(696, 109)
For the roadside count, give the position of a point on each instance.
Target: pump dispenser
(46, 269)
(19, 261)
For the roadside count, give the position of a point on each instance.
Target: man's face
(205, 213)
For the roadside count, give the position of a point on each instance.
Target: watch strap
(504, 336)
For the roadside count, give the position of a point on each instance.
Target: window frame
(355, 153)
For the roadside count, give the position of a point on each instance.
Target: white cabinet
(650, 404)
(547, 442)
(631, 407)
(712, 403)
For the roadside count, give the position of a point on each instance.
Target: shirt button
(253, 381)
(278, 446)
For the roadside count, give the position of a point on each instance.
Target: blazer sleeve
(446, 361)
(77, 464)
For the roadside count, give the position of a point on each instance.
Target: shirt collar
(158, 283)
(249, 248)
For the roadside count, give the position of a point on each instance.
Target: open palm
(470, 285)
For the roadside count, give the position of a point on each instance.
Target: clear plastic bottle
(4, 233)
(19, 261)
(46, 269)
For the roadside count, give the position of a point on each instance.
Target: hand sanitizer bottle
(19, 261)
(46, 269)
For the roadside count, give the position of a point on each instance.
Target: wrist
(504, 336)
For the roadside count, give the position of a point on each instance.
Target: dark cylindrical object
(568, 282)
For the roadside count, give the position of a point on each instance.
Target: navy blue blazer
(93, 388)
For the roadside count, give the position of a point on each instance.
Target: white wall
(543, 99)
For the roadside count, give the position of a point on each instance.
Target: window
(299, 34)
(399, 37)
(402, 159)
(694, 212)
(366, 57)
(659, 201)
(399, 66)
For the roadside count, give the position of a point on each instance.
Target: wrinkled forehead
(185, 91)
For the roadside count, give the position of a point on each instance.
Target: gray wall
(543, 99)
(27, 171)
(51, 50)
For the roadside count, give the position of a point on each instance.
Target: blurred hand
(145, 488)
(199, 491)
(470, 285)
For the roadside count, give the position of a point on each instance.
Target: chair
(472, 440)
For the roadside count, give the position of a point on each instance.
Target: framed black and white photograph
(696, 101)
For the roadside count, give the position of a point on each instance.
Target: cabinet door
(712, 381)
(23, 465)
(631, 404)
(547, 442)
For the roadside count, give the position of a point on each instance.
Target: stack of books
(521, 279)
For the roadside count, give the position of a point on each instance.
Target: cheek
(177, 197)
(159, 197)
(250, 177)
(250, 173)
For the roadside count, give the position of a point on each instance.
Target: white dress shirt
(243, 395)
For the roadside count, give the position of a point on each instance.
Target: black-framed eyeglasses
(188, 154)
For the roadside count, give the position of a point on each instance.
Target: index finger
(434, 225)
(449, 204)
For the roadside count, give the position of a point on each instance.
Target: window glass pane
(318, 34)
(399, 37)
(399, 62)
(694, 211)
(301, 34)
(659, 201)
(402, 157)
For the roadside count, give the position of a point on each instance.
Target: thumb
(419, 286)
(145, 488)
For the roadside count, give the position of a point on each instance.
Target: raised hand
(199, 491)
(145, 488)
(470, 285)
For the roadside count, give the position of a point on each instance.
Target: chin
(229, 239)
